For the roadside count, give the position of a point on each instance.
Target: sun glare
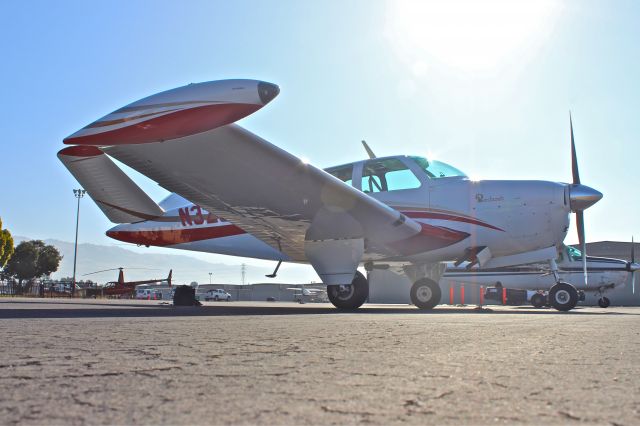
(468, 35)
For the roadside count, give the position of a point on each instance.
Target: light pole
(210, 278)
(78, 193)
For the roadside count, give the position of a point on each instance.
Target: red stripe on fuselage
(169, 237)
(445, 216)
(430, 238)
(170, 126)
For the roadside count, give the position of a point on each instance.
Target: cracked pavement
(131, 362)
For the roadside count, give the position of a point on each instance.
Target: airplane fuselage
(603, 273)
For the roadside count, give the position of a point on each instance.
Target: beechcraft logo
(482, 199)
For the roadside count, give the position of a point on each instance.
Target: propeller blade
(583, 243)
(117, 269)
(104, 270)
(574, 157)
(369, 151)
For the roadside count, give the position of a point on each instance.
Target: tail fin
(119, 198)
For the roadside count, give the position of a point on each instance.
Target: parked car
(217, 294)
(148, 293)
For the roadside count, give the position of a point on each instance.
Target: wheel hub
(424, 294)
(345, 292)
(563, 297)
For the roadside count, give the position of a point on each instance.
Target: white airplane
(247, 197)
(604, 274)
(303, 293)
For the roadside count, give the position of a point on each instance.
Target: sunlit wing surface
(274, 195)
(177, 113)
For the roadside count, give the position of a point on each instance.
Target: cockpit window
(437, 169)
(387, 175)
(574, 253)
(344, 173)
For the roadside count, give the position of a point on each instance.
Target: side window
(344, 173)
(387, 175)
(371, 183)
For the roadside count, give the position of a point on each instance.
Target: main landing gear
(538, 300)
(425, 293)
(349, 297)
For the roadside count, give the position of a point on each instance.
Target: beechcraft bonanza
(247, 197)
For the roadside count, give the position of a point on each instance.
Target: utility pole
(244, 271)
(78, 193)
(210, 273)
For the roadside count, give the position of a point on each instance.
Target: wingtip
(80, 151)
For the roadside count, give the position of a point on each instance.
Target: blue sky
(487, 90)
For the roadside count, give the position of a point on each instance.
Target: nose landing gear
(563, 296)
(425, 293)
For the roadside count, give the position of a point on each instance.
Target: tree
(6, 245)
(30, 260)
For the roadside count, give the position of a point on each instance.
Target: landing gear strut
(425, 293)
(349, 297)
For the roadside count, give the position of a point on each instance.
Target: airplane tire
(425, 293)
(349, 297)
(538, 300)
(563, 296)
(604, 302)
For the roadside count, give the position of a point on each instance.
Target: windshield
(342, 172)
(436, 169)
(574, 253)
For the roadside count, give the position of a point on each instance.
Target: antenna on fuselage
(369, 152)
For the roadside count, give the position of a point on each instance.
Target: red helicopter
(126, 288)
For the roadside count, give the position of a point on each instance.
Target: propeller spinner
(581, 197)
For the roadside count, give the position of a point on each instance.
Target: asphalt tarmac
(119, 362)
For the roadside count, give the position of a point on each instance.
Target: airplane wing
(275, 196)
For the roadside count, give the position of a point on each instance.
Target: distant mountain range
(94, 257)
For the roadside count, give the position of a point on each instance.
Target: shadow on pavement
(78, 309)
